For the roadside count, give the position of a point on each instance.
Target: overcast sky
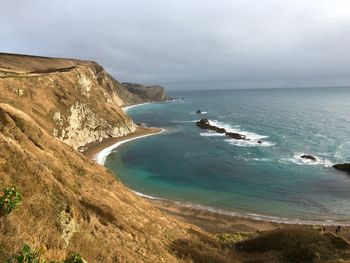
(190, 44)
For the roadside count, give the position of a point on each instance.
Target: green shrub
(9, 200)
(26, 255)
(74, 258)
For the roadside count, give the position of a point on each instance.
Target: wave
(253, 138)
(250, 143)
(296, 159)
(146, 196)
(256, 159)
(259, 217)
(211, 134)
(126, 108)
(195, 113)
(175, 121)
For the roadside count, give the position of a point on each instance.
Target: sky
(190, 44)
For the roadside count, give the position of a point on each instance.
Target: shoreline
(209, 219)
(126, 108)
(98, 151)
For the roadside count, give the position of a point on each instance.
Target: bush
(26, 255)
(9, 200)
(74, 258)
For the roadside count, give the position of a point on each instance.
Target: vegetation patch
(294, 245)
(9, 200)
(230, 240)
(202, 249)
(28, 255)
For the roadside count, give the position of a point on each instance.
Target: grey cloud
(190, 44)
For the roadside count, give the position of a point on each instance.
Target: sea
(267, 180)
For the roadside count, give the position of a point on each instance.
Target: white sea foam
(147, 196)
(252, 137)
(175, 121)
(195, 113)
(211, 134)
(126, 108)
(257, 159)
(101, 156)
(297, 159)
(249, 143)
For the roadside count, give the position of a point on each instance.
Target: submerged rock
(203, 124)
(236, 136)
(309, 157)
(342, 167)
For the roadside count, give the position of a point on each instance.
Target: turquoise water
(191, 165)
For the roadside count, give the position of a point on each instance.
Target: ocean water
(268, 180)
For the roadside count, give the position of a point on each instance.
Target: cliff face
(76, 101)
(69, 202)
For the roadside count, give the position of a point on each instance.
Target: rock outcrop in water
(309, 157)
(205, 124)
(342, 167)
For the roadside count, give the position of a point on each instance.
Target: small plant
(74, 258)
(26, 255)
(10, 199)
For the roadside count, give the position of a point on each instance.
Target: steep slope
(76, 101)
(48, 109)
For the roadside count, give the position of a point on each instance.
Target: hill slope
(48, 109)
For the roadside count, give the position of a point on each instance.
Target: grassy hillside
(49, 109)
(69, 203)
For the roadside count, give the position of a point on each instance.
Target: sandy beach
(94, 148)
(208, 220)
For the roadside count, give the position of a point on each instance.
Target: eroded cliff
(76, 101)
